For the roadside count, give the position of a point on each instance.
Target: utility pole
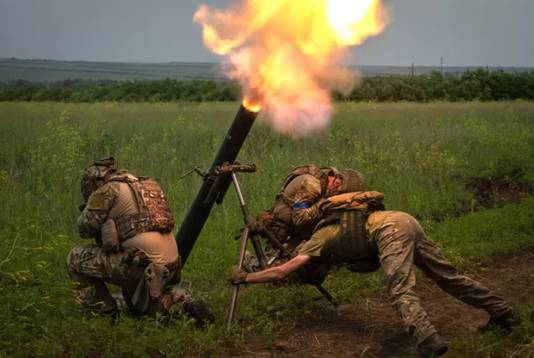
(413, 69)
(441, 65)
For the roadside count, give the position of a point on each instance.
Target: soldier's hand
(238, 276)
(323, 205)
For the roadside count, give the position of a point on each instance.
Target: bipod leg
(327, 295)
(258, 250)
(235, 289)
(246, 219)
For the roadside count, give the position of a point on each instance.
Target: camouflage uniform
(295, 204)
(296, 211)
(298, 203)
(133, 264)
(400, 242)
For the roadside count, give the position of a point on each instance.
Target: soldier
(292, 218)
(356, 228)
(131, 221)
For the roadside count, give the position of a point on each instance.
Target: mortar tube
(200, 208)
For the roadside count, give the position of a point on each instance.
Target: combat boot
(180, 303)
(505, 322)
(199, 311)
(433, 346)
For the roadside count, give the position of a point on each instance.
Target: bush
(480, 84)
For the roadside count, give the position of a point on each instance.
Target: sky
(463, 32)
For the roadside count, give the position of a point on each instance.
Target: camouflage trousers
(93, 268)
(401, 243)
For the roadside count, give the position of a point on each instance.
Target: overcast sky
(464, 32)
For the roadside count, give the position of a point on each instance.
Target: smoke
(288, 56)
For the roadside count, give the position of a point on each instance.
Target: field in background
(419, 155)
(49, 70)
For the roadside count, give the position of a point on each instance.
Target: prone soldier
(131, 221)
(355, 228)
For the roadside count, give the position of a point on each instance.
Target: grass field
(417, 154)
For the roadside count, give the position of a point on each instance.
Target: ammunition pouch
(352, 243)
(109, 236)
(130, 225)
(146, 298)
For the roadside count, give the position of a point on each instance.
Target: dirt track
(372, 329)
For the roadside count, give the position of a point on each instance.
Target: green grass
(414, 153)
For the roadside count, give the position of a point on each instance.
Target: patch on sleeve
(97, 201)
(301, 205)
(102, 198)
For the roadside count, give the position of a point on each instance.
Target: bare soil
(371, 328)
(491, 193)
(487, 193)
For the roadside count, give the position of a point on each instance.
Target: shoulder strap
(134, 183)
(318, 172)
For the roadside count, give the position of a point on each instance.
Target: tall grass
(415, 153)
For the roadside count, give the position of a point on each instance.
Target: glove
(238, 276)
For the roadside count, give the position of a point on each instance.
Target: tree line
(480, 84)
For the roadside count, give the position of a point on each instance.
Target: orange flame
(288, 55)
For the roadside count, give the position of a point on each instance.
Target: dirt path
(372, 329)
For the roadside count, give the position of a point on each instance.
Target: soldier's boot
(102, 302)
(181, 303)
(505, 322)
(199, 311)
(94, 295)
(433, 346)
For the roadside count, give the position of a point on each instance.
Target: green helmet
(352, 180)
(94, 175)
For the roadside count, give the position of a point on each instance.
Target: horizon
(222, 62)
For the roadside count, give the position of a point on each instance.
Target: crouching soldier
(295, 213)
(356, 228)
(131, 222)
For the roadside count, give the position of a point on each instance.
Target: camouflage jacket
(97, 210)
(124, 207)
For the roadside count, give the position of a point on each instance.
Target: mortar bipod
(232, 169)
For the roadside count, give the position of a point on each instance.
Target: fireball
(288, 56)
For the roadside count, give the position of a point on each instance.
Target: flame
(251, 105)
(287, 55)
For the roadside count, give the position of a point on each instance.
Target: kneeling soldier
(355, 228)
(131, 221)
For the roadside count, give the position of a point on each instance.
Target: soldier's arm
(278, 273)
(96, 212)
(306, 204)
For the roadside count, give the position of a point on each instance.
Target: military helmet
(94, 175)
(352, 180)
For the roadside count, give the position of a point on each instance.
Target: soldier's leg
(396, 244)
(92, 268)
(429, 258)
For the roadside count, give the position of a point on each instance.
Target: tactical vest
(350, 212)
(154, 212)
